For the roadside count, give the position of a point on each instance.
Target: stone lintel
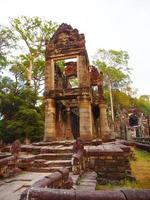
(69, 55)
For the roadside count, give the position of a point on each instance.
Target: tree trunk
(111, 100)
(29, 71)
(112, 107)
(148, 122)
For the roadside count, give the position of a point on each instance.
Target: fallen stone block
(143, 194)
(101, 195)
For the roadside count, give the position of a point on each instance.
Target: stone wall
(110, 162)
(8, 166)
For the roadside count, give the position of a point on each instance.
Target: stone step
(51, 163)
(63, 142)
(39, 163)
(54, 156)
(85, 187)
(56, 150)
(87, 181)
(47, 169)
(57, 163)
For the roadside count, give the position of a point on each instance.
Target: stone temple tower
(74, 102)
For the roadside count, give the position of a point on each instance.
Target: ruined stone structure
(74, 101)
(74, 108)
(58, 186)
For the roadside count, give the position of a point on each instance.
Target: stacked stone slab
(111, 162)
(49, 159)
(8, 166)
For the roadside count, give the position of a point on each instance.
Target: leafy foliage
(20, 116)
(21, 105)
(114, 65)
(7, 43)
(32, 32)
(121, 99)
(143, 105)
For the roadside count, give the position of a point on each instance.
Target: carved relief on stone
(71, 69)
(94, 75)
(65, 39)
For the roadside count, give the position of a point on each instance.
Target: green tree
(21, 107)
(145, 98)
(121, 101)
(143, 105)
(31, 34)
(114, 65)
(20, 116)
(7, 43)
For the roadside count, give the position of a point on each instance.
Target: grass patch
(122, 184)
(140, 169)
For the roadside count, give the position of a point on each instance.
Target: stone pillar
(49, 75)
(50, 120)
(85, 118)
(68, 133)
(50, 110)
(104, 129)
(83, 71)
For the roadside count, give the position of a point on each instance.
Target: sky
(108, 24)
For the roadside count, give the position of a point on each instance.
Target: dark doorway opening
(74, 115)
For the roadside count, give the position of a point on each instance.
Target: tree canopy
(114, 65)
(22, 47)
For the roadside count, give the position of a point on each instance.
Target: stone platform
(109, 160)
